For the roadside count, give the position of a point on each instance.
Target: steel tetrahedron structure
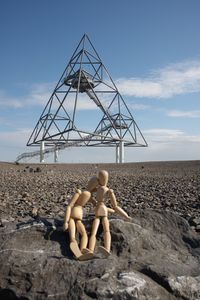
(86, 86)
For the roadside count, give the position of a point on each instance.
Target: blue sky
(150, 47)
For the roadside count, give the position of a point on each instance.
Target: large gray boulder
(156, 256)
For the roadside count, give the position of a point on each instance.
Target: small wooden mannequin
(74, 215)
(73, 221)
(101, 213)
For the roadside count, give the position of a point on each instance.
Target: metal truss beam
(86, 75)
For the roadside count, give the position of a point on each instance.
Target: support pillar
(42, 148)
(117, 154)
(121, 152)
(55, 155)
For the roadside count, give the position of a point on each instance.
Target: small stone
(35, 212)
(61, 214)
(25, 194)
(38, 170)
(197, 228)
(194, 221)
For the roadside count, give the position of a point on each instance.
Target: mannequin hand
(65, 226)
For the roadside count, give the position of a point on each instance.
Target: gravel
(28, 189)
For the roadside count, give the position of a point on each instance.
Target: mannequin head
(103, 177)
(92, 184)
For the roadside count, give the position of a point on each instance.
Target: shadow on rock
(55, 233)
(7, 294)
(151, 258)
(62, 238)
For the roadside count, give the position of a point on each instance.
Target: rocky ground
(173, 186)
(155, 256)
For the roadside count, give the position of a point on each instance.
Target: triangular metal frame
(86, 75)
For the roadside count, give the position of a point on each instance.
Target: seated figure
(74, 216)
(101, 213)
(73, 222)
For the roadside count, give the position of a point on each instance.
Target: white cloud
(39, 94)
(169, 136)
(164, 144)
(7, 101)
(12, 143)
(83, 103)
(139, 87)
(184, 114)
(162, 135)
(17, 138)
(167, 144)
(175, 79)
(137, 106)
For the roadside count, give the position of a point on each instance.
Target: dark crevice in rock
(8, 294)
(118, 243)
(193, 242)
(91, 294)
(193, 245)
(157, 278)
(162, 281)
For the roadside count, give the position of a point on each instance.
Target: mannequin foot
(86, 250)
(86, 256)
(103, 251)
(75, 249)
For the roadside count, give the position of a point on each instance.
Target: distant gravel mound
(171, 186)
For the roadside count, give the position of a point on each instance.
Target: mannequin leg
(92, 241)
(73, 243)
(84, 238)
(106, 235)
(107, 238)
(72, 230)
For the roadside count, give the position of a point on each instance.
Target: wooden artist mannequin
(73, 221)
(101, 213)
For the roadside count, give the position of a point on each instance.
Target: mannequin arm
(110, 210)
(116, 208)
(69, 208)
(93, 201)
